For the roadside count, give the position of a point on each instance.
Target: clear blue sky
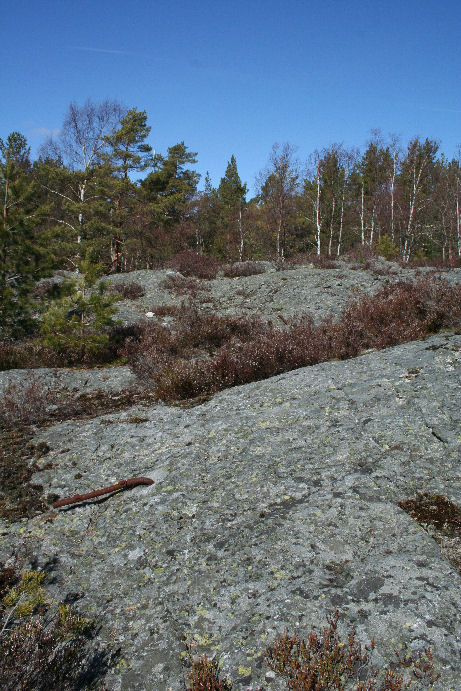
(232, 77)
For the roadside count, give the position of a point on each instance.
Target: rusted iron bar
(123, 484)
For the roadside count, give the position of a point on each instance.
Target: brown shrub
(207, 353)
(165, 310)
(28, 353)
(42, 650)
(193, 335)
(321, 261)
(189, 263)
(128, 291)
(204, 676)
(183, 286)
(323, 662)
(31, 353)
(25, 403)
(247, 268)
(46, 289)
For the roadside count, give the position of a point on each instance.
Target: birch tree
(81, 145)
(278, 187)
(416, 177)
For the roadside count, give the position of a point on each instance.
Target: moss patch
(441, 518)
(436, 510)
(18, 496)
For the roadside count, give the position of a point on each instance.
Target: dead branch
(123, 484)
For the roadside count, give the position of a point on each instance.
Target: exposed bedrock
(272, 505)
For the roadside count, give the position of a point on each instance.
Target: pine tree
(232, 197)
(78, 323)
(22, 260)
(167, 194)
(128, 150)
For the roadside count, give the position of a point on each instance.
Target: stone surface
(288, 292)
(272, 504)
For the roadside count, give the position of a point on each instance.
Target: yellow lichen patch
(244, 671)
(28, 594)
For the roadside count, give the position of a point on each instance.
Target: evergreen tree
(22, 260)
(78, 323)
(128, 150)
(206, 217)
(231, 194)
(167, 194)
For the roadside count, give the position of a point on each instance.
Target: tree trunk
(330, 241)
(239, 221)
(340, 236)
(317, 212)
(458, 224)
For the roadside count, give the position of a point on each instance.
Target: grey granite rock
(287, 293)
(272, 505)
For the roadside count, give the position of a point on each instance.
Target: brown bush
(321, 261)
(204, 676)
(128, 291)
(31, 353)
(165, 310)
(189, 263)
(192, 335)
(183, 286)
(323, 662)
(44, 650)
(25, 403)
(247, 268)
(207, 353)
(46, 289)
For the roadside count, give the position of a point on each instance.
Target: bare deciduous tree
(80, 145)
(278, 187)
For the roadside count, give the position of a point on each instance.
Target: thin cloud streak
(102, 50)
(442, 110)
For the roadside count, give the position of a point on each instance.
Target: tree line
(81, 198)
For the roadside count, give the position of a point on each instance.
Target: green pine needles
(78, 323)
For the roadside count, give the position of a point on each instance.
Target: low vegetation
(190, 263)
(35, 404)
(44, 646)
(202, 353)
(180, 285)
(130, 290)
(247, 268)
(442, 517)
(324, 662)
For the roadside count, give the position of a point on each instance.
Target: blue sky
(233, 77)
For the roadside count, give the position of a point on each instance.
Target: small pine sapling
(78, 323)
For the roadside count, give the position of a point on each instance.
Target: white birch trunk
(240, 227)
(330, 241)
(372, 228)
(458, 224)
(317, 212)
(340, 236)
(394, 171)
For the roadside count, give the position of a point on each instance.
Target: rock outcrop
(273, 504)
